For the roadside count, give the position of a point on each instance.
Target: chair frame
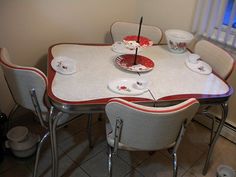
(154, 43)
(113, 150)
(183, 112)
(224, 107)
(51, 126)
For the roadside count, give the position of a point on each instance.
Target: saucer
(126, 86)
(200, 67)
(64, 65)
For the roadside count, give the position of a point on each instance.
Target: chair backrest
(149, 128)
(121, 29)
(21, 80)
(221, 61)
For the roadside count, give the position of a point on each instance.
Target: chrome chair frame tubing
(54, 116)
(113, 151)
(175, 164)
(110, 156)
(38, 153)
(37, 107)
(216, 136)
(175, 148)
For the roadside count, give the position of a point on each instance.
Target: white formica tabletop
(96, 68)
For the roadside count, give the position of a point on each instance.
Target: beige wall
(167, 14)
(29, 27)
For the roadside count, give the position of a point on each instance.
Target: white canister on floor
(21, 142)
(225, 171)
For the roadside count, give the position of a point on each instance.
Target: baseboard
(228, 131)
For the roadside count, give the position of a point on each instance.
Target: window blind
(208, 21)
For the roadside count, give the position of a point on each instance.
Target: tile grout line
(189, 169)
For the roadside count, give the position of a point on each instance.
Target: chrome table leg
(216, 135)
(53, 119)
(38, 153)
(175, 165)
(51, 139)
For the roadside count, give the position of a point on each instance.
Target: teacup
(141, 84)
(193, 58)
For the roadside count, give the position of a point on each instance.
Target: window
(216, 20)
(228, 11)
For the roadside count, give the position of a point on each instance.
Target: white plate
(200, 67)
(126, 86)
(119, 47)
(64, 65)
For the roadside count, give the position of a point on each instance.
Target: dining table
(92, 83)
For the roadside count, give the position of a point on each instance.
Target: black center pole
(139, 31)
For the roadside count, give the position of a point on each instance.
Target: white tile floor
(78, 160)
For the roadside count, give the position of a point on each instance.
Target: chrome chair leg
(213, 120)
(54, 142)
(89, 129)
(110, 154)
(217, 134)
(51, 139)
(38, 153)
(53, 119)
(175, 164)
(212, 128)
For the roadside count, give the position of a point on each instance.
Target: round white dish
(200, 67)
(18, 133)
(225, 171)
(126, 86)
(120, 47)
(64, 65)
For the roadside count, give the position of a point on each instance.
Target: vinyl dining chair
(222, 64)
(220, 60)
(27, 86)
(121, 29)
(135, 127)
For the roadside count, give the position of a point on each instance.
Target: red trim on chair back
(156, 110)
(17, 81)
(10, 65)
